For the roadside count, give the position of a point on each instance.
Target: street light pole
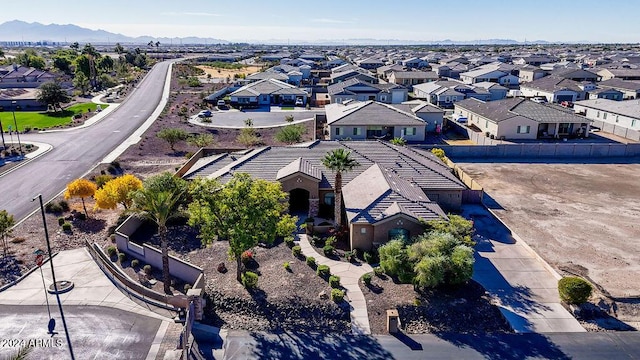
(16, 124)
(53, 276)
(4, 146)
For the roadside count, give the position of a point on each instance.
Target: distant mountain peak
(18, 30)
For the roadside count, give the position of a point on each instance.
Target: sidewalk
(91, 286)
(43, 148)
(523, 286)
(349, 275)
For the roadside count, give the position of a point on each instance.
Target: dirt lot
(579, 217)
(224, 73)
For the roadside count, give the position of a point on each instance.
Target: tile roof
(266, 87)
(369, 113)
(501, 110)
(377, 194)
(299, 165)
(553, 83)
(629, 108)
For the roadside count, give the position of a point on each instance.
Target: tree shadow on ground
(9, 269)
(507, 346)
(287, 345)
(90, 225)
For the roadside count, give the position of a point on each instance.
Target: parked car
(539, 99)
(299, 102)
(204, 113)
(221, 103)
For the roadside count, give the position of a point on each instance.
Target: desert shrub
(81, 216)
(323, 271)
(350, 255)
(286, 266)
(53, 207)
(328, 250)
(290, 241)
(330, 241)
(440, 154)
(316, 240)
(398, 141)
(250, 279)
(64, 205)
(311, 261)
(574, 290)
(135, 263)
(337, 295)
(366, 279)
(371, 257)
(378, 271)
(147, 269)
(102, 179)
(66, 226)
(111, 251)
(290, 134)
(246, 257)
(296, 250)
(122, 257)
(334, 281)
(393, 257)
(61, 220)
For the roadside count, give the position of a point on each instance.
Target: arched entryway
(298, 201)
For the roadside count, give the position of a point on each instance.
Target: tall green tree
(245, 211)
(118, 49)
(159, 202)
(6, 226)
(75, 46)
(51, 93)
(172, 136)
(93, 55)
(81, 82)
(339, 161)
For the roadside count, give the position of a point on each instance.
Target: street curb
(28, 160)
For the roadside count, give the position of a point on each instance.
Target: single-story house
(482, 74)
(361, 120)
(26, 99)
(554, 89)
(16, 76)
(625, 114)
(432, 116)
(392, 191)
(359, 90)
(410, 78)
(630, 89)
(530, 73)
(606, 93)
(370, 63)
(360, 74)
(497, 91)
(623, 73)
(521, 119)
(267, 92)
(578, 75)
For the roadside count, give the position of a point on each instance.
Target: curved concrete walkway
(349, 275)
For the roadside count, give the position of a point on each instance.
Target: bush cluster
(135, 263)
(249, 279)
(122, 257)
(311, 261)
(289, 240)
(296, 250)
(147, 269)
(366, 279)
(323, 271)
(337, 295)
(56, 207)
(328, 250)
(334, 281)
(574, 290)
(111, 251)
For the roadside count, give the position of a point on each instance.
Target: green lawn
(44, 120)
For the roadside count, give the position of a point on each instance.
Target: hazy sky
(427, 20)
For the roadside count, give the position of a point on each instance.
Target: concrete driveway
(523, 286)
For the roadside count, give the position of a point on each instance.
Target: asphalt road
(77, 151)
(95, 332)
(610, 346)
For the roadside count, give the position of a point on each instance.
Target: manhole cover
(63, 286)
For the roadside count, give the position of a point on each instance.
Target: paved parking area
(95, 332)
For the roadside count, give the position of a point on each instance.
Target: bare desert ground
(581, 218)
(224, 73)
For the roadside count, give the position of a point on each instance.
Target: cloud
(186, 13)
(331, 21)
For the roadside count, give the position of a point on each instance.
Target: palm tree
(340, 161)
(160, 205)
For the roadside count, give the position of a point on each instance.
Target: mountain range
(17, 30)
(21, 31)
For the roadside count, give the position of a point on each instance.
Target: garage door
(561, 98)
